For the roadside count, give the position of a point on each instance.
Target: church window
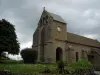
(49, 34)
(43, 20)
(46, 19)
(58, 28)
(40, 22)
(77, 56)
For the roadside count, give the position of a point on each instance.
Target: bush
(61, 66)
(46, 70)
(83, 64)
(82, 67)
(29, 55)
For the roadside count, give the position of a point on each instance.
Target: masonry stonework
(53, 43)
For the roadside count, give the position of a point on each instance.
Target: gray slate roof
(56, 17)
(82, 40)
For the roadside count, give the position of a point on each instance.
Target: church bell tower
(50, 34)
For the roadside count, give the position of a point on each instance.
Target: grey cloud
(82, 16)
(22, 16)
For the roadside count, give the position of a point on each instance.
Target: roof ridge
(55, 16)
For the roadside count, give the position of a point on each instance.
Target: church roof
(82, 40)
(56, 17)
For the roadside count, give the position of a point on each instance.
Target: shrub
(83, 64)
(46, 70)
(29, 55)
(61, 66)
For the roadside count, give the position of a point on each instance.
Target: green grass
(82, 64)
(12, 61)
(26, 68)
(19, 66)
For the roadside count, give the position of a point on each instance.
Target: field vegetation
(19, 66)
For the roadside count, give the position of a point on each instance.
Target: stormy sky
(82, 16)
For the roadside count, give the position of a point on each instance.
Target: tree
(8, 38)
(29, 55)
(4, 55)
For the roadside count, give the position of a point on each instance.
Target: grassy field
(26, 68)
(19, 66)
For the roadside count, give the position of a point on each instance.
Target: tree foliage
(8, 38)
(29, 55)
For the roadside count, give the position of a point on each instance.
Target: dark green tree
(8, 38)
(29, 55)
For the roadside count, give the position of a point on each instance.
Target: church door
(58, 54)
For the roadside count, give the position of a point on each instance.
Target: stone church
(53, 43)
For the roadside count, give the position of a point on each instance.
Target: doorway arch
(59, 54)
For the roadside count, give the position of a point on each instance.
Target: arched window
(77, 56)
(46, 19)
(40, 22)
(43, 20)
